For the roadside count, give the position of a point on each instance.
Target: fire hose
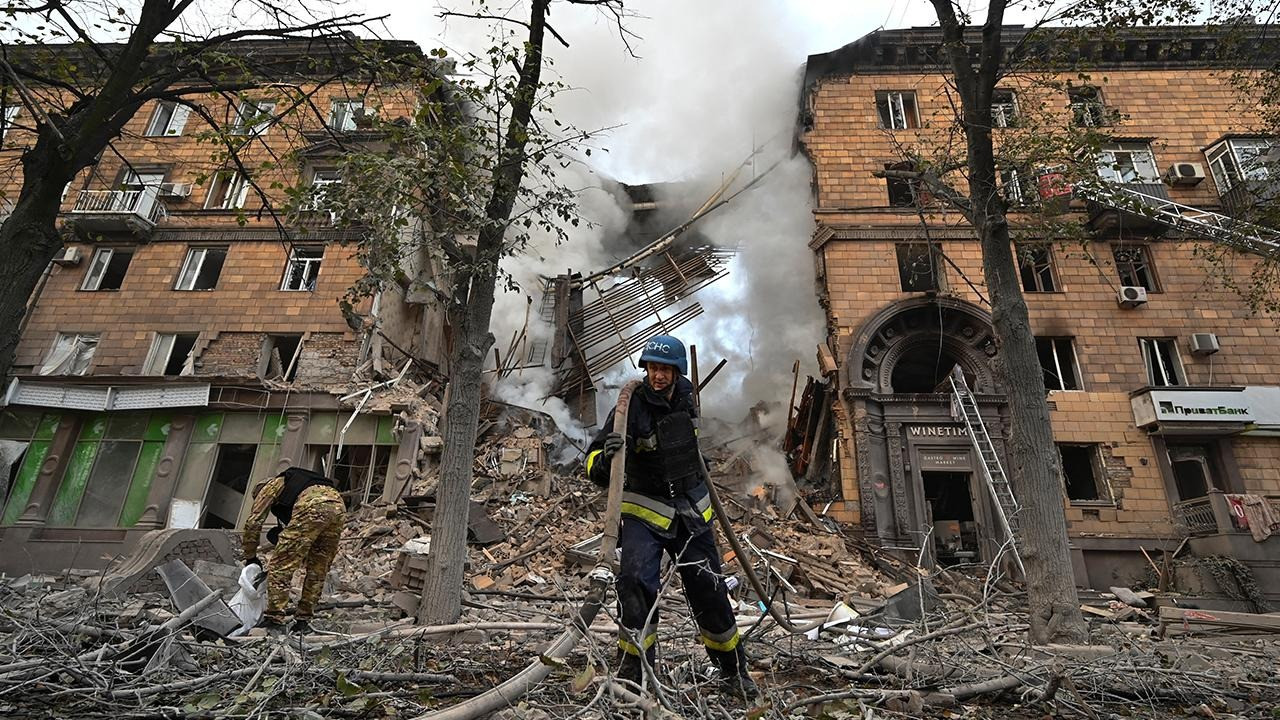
(601, 577)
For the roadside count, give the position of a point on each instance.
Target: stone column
(294, 442)
(406, 460)
(163, 485)
(46, 487)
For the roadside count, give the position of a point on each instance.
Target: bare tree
(76, 91)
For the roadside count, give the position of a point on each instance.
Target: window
(1087, 108)
(72, 354)
(906, 192)
(1133, 265)
(10, 115)
(228, 192)
(917, 267)
(1238, 159)
(170, 354)
(345, 115)
(1035, 263)
(253, 117)
(201, 269)
(1193, 470)
(230, 480)
(1058, 362)
(280, 357)
(1082, 474)
(107, 269)
(897, 109)
(303, 268)
(1128, 163)
(168, 119)
(1004, 108)
(1017, 187)
(1161, 358)
(321, 179)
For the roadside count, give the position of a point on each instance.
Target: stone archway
(909, 346)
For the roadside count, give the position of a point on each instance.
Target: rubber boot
(734, 680)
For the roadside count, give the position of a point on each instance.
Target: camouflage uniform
(310, 537)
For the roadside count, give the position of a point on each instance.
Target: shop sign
(1227, 405)
(937, 431)
(943, 460)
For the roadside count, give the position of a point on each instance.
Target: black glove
(252, 561)
(612, 444)
(273, 535)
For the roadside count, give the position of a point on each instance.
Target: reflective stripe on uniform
(724, 642)
(704, 507)
(591, 459)
(643, 513)
(631, 649)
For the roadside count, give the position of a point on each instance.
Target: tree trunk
(442, 591)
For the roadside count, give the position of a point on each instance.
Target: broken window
(230, 481)
(108, 476)
(1160, 355)
(897, 109)
(104, 493)
(906, 192)
(359, 471)
(1004, 108)
(346, 115)
(280, 356)
(229, 191)
(918, 267)
(303, 268)
(253, 117)
(1193, 470)
(168, 119)
(170, 354)
(1035, 263)
(1058, 362)
(1237, 159)
(107, 269)
(1129, 163)
(201, 269)
(10, 114)
(1133, 264)
(72, 354)
(1087, 108)
(1017, 187)
(1082, 475)
(321, 180)
(25, 439)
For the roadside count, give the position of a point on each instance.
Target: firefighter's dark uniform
(666, 507)
(312, 513)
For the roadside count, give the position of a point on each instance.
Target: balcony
(1248, 200)
(1126, 213)
(108, 211)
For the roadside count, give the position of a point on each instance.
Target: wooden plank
(1190, 619)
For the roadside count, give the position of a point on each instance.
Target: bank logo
(1168, 407)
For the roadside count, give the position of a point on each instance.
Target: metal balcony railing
(1196, 516)
(137, 203)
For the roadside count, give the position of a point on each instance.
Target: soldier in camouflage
(311, 513)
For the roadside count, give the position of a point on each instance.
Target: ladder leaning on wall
(992, 471)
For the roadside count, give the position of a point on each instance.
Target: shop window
(72, 354)
(1193, 470)
(1133, 265)
(167, 119)
(358, 471)
(918, 267)
(109, 472)
(107, 269)
(1035, 264)
(201, 269)
(227, 487)
(302, 269)
(170, 354)
(1058, 363)
(1004, 108)
(897, 109)
(1164, 367)
(280, 356)
(25, 439)
(1082, 473)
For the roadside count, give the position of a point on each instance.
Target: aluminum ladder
(1215, 226)
(992, 471)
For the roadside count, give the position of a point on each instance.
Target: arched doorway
(910, 346)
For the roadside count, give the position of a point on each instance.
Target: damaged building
(189, 340)
(1161, 382)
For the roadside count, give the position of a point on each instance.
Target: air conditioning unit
(67, 256)
(1204, 344)
(175, 189)
(1131, 296)
(1184, 173)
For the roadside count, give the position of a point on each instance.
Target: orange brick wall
(1183, 112)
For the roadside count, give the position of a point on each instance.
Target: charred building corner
(1163, 391)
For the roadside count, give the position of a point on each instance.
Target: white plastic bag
(249, 602)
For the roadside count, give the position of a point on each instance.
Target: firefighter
(311, 516)
(666, 507)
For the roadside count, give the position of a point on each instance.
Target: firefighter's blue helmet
(667, 350)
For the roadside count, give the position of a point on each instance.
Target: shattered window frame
(1091, 490)
(160, 358)
(912, 266)
(1058, 363)
(288, 366)
(1134, 267)
(110, 264)
(168, 119)
(1037, 268)
(1163, 364)
(1088, 107)
(1128, 163)
(343, 114)
(228, 191)
(193, 275)
(253, 117)
(1004, 108)
(302, 270)
(897, 109)
(82, 348)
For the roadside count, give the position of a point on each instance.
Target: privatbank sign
(1218, 405)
